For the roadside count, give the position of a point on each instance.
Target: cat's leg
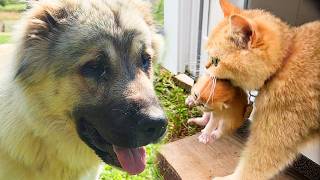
(272, 145)
(201, 121)
(217, 133)
(205, 135)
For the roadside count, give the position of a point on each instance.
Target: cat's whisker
(213, 86)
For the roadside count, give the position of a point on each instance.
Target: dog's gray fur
(41, 83)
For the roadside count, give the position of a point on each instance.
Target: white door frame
(181, 29)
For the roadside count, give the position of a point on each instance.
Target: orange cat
(224, 106)
(258, 51)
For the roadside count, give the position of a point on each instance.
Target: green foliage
(172, 99)
(4, 38)
(151, 171)
(158, 12)
(3, 2)
(12, 7)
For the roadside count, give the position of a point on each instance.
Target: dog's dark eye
(215, 61)
(146, 61)
(94, 68)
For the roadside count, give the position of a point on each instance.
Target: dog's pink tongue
(132, 160)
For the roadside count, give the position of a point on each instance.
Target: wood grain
(187, 159)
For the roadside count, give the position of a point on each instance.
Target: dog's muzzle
(118, 131)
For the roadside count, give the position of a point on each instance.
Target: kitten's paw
(216, 134)
(200, 121)
(192, 121)
(205, 138)
(190, 101)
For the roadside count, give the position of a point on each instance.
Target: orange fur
(226, 102)
(259, 51)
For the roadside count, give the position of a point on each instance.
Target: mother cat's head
(250, 46)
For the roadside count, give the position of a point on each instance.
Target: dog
(77, 89)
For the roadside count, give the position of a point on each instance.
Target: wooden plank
(184, 81)
(187, 159)
(193, 160)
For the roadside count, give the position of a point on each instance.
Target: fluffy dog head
(86, 67)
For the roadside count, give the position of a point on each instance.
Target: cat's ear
(244, 31)
(228, 8)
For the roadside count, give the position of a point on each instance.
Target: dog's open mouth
(131, 160)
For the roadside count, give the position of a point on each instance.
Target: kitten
(224, 106)
(258, 51)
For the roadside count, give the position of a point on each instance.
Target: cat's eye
(146, 61)
(94, 68)
(215, 61)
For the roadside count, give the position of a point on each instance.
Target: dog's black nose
(152, 128)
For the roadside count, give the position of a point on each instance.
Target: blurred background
(10, 12)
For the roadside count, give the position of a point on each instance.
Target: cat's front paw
(205, 138)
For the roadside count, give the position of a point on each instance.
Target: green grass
(151, 171)
(15, 7)
(172, 99)
(4, 38)
(158, 12)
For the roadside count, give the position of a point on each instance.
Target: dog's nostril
(152, 128)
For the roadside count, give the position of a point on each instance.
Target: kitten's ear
(244, 31)
(228, 8)
(145, 8)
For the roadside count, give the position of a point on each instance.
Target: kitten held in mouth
(223, 106)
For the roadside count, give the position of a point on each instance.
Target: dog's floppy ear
(145, 9)
(44, 20)
(41, 26)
